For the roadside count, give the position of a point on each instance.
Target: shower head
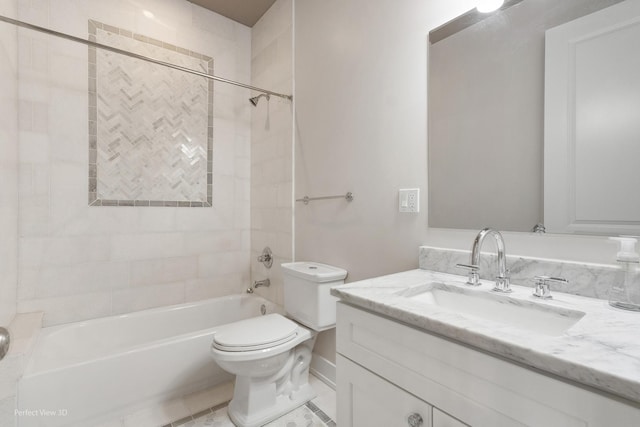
(255, 99)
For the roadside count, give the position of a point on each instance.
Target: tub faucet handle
(266, 257)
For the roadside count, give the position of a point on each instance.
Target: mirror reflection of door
(592, 123)
(487, 112)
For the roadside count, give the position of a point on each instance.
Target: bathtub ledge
(24, 329)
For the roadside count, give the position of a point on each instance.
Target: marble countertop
(601, 350)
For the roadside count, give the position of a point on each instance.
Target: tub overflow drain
(263, 309)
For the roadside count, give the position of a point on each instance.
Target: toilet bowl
(270, 355)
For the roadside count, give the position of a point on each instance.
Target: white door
(592, 123)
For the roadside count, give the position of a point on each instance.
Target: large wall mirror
(492, 162)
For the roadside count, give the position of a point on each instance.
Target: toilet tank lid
(314, 271)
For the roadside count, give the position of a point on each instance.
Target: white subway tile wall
(271, 146)
(80, 262)
(9, 106)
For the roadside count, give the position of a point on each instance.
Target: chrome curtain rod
(136, 56)
(307, 199)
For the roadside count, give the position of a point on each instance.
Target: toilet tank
(307, 296)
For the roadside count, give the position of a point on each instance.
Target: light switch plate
(409, 200)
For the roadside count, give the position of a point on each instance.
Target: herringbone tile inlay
(153, 123)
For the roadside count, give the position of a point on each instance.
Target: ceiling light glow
(148, 14)
(486, 6)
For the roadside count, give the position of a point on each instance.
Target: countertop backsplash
(589, 280)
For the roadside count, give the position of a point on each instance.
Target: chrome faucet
(502, 281)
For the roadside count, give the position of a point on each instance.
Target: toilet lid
(255, 333)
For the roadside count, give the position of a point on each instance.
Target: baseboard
(324, 370)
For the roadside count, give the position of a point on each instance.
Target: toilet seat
(256, 333)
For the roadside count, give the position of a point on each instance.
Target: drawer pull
(415, 420)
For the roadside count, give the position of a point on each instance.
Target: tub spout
(259, 283)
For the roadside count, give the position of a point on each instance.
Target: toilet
(270, 354)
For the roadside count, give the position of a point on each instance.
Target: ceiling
(246, 12)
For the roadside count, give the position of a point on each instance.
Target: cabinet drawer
(367, 400)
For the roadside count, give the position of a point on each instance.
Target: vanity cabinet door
(366, 400)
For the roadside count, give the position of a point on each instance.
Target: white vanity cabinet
(376, 402)
(368, 400)
(388, 371)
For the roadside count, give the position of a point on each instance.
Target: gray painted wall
(361, 126)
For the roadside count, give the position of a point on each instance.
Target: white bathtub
(88, 371)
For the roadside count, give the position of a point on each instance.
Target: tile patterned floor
(209, 409)
(317, 413)
(305, 416)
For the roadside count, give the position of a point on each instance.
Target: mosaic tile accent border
(128, 167)
(320, 413)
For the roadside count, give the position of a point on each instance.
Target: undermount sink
(532, 316)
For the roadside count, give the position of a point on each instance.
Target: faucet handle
(542, 288)
(503, 283)
(266, 257)
(473, 275)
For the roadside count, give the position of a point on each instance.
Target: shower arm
(136, 56)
